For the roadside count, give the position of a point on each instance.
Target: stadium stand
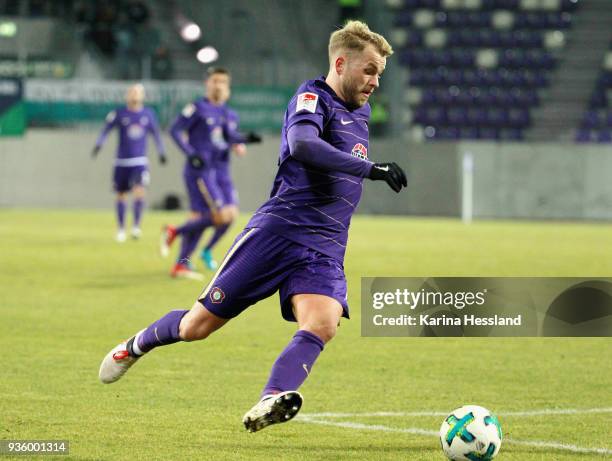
(477, 68)
(596, 123)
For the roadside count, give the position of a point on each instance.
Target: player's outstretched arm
(306, 146)
(180, 125)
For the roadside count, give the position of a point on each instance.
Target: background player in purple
(295, 242)
(131, 171)
(211, 131)
(229, 209)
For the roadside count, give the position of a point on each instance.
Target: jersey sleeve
(154, 130)
(230, 129)
(309, 105)
(110, 123)
(183, 122)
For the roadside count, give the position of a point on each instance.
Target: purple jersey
(133, 128)
(222, 157)
(309, 205)
(208, 129)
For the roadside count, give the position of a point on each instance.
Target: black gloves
(252, 137)
(162, 159)
(196, 162)
(391, 173)
(95, 151)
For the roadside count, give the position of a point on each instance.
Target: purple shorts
(126, 177)
(203, 190)
(259, 263)
(226, 185)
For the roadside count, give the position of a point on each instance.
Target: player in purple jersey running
(131, 171)
(211, 129)
(295, 242)
(221, 164)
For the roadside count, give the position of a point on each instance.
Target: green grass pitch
(68, 293)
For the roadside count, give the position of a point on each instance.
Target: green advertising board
(12, 108)
(57, 103)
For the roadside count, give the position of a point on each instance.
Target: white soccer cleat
(115, 364)
(121, 237)
(273, 409)
(136, 233)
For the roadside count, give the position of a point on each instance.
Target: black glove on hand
(162, 159)
(196, 162)
(252, 137)
(95, 151)
(391, 173)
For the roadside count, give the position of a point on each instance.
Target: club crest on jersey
(307, 102)
(359, 150)
(216, 295)
(135, 131)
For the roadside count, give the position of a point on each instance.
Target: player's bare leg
(138, 193)
(318, 318)
(178, 325)
(120, 209)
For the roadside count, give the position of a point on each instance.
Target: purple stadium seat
(591, 119)
(604, 136)
(457, 116)
(468, 132)
(583, 135)
(488, 133)
(511, 134)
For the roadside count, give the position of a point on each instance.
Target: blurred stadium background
(497, 108)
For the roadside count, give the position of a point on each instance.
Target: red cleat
(183, 271)
(168, 236)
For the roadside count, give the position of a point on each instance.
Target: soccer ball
(471, 433)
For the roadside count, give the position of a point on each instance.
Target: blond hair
(355, 36)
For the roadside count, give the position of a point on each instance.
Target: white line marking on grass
(313, 419)
(542, 412)
(369, 427)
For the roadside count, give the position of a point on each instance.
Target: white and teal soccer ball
(471, 433)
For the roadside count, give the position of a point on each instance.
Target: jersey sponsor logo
(359, 150)
(216, 295)
(346, 122)
(188, 110)
(307, 102)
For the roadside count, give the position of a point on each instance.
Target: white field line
(543, 412)
(314, 418)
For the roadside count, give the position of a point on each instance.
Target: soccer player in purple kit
(131, 171)
(295, 242)
(211, 129)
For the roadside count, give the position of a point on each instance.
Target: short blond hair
(355, 36)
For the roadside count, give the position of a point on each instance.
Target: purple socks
(121, 213)
(219, 232)
(138, 207)
(190, 233)
(160, 333)
(294, 364)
